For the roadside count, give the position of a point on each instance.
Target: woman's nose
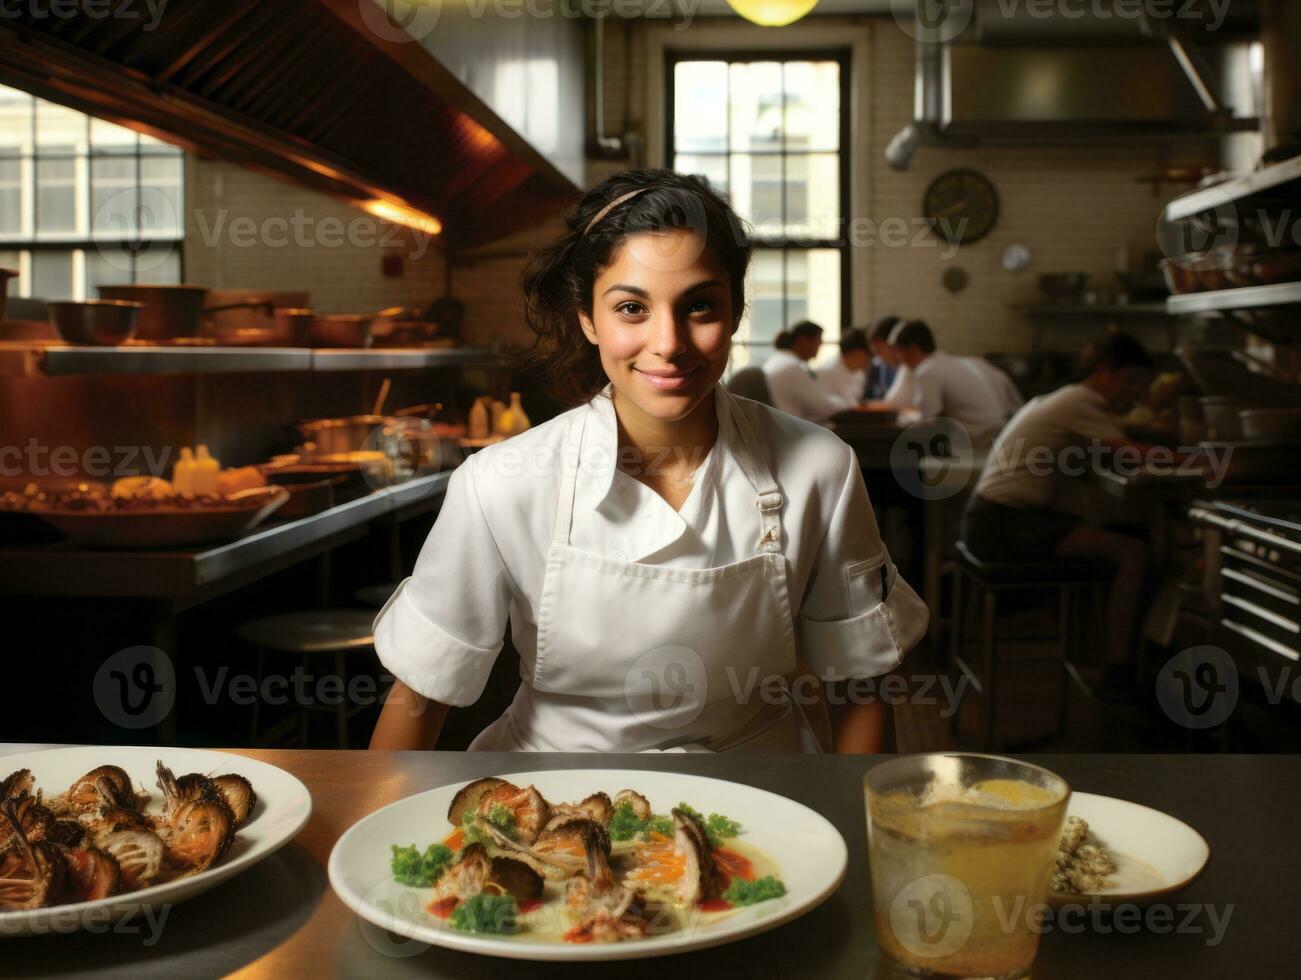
(667, 339)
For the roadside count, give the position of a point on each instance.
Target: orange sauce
(734, 865)
(715, 905)
(578, 935)
(455, 839)
(442, 908)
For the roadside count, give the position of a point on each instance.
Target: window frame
(844, 57)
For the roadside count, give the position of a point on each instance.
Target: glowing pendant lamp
(772, 13)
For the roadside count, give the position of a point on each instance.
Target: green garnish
(716, 825)
(486, 913)
(741, 892)
(502, 817)
(624, 825)
(410, 867)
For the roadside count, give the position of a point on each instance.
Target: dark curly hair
(558, 279)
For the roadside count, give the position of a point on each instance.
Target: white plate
(809, 853)
(1156, 855)
(283, 806)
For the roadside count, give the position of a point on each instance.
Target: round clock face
(962, 206)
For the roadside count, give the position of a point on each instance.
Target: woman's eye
(701, 306)
(630, 309)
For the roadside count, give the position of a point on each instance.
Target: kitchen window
(84, 202)
(772, 131)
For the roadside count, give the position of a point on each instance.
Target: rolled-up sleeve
(441, 631)
(858, 617)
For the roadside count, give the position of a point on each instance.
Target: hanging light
(772, 13)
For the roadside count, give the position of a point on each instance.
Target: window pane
(56, 196)
(160, 195)
(15, 121)
(59, 129)
(756, 94)
(107, 264)
(11, 197)
(113, 197)
(813, 288)
(13, 262)
(700, 105)
(757, 191)
(107, 137)
(713, 167)
(159, 263)
(764, 319)
(52, 275)
(812, 105)
(813, 196)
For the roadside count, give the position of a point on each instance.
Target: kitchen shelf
(1235, 190)
(1246, 298)
(1095, 310)
(26, 359)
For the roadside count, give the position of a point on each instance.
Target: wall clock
(962, 206)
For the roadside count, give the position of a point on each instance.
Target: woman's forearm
(408, 720)
(862, 728)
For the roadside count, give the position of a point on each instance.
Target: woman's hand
(862, 728)
(408, 720)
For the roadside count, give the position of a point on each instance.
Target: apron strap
(570, 462)
(750, 454)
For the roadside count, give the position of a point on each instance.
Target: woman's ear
(585, 322)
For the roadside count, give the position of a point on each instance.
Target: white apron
(634, 657)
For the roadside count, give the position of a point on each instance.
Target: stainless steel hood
(1020, 73)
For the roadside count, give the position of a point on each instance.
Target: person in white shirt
(792, 384)
(846, 376)
(663, 551)
(885, 363)
(1011, 517)
(968, 390)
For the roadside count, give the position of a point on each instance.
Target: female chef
(673, 560)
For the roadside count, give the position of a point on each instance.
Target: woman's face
(664, 333)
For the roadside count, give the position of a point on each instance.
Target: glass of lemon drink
(961, 849)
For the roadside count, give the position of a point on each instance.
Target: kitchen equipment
(1253, 570)
(5, 276)
(1220, 415)
(106, 322)
(341, 330)
(1180, 276)
(167, 311)
(1260, 424)
(310, 497)
(382, 397)
(241, 317)
(1063, 287)
(343, 435)
(1222, 371)
(1256, 463)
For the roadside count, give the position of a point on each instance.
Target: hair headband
(610, 207)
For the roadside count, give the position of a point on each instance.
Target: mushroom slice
(93, 874)
(701, 879)
(104, 785)
(529, 810)
(139, 855)
(16, 784)
(238, 794)
(598, 903)
(553, 866)
(198, 834)
(467, 798)
(641, 808)
(32, 875)
(514, 877)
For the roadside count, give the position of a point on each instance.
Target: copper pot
(5, 276)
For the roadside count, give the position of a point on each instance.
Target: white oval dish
(809, 852)
(283, 808)
(1156, 854)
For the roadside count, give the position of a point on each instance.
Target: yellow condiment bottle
(183, 473)
(206, 469)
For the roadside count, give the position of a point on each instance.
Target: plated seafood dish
(604, 869)
(101, 836)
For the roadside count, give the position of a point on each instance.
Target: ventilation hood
(1015, 75)
(306, 90)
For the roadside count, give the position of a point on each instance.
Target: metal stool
(311, 635)
(1071, 578)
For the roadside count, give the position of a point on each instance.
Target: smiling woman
(667, 555)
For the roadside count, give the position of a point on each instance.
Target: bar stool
(1071, 579)
(312, 635)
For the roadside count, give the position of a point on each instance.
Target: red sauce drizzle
(442, 908)
(578, 935)
(529, 904)
(715, 905)
(734, 865)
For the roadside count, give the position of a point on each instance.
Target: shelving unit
(1260, 183)
(1247, 298)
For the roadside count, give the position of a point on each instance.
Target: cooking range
(1253, 559)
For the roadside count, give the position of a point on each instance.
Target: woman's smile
(668, 379)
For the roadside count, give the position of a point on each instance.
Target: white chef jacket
(794, 389)
(1015, 473)
(903, 389)
(484, 561)
(969, 390)
(839, 380)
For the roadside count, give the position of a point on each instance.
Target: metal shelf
(1235, 190)
(25, 359)
(1246, 298)
(1095, 310)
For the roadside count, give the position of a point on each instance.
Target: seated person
(885, 365)
(1010, 516)
(792, 384)
(968, 390)
(846, 376)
